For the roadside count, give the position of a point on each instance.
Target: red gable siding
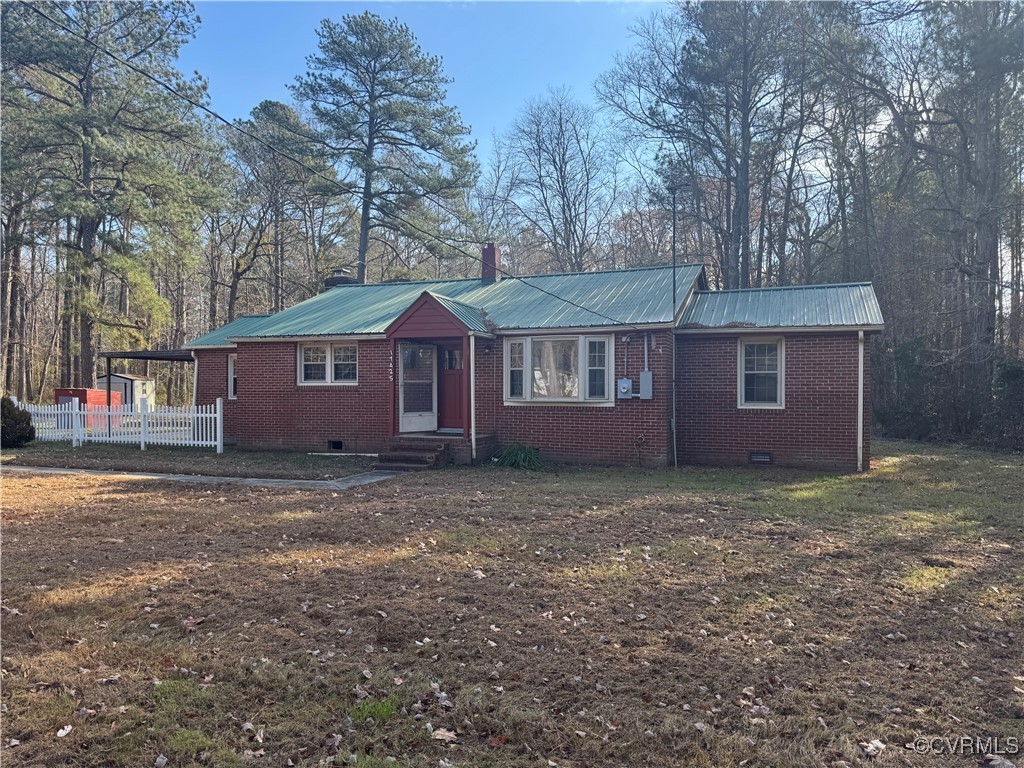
(426, 319)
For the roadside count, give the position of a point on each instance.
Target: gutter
(747, 329)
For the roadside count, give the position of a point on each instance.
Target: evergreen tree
(380, 101)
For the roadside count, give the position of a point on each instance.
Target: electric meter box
(625, 389)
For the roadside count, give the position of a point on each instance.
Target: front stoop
(411, 452)
(412, 455)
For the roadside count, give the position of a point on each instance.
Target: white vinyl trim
(860, 401)
(581, 399)
(784, 329)
(780, 343)
(329, 381)
(472, 396)
(232, 390)
(314, 340)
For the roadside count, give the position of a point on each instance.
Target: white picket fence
(200, 426)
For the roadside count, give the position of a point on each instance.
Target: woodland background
(802, 143)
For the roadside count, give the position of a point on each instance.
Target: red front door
(451, 394)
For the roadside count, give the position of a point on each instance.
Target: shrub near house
(16, 427)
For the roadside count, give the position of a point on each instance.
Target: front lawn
(233, 462)
(488, 617)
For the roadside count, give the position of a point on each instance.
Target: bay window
(559, 369)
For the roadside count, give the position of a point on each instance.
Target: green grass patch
(378, 710)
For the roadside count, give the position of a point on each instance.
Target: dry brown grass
(234, 462)
(620, 617)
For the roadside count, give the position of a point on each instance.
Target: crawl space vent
(761, 457)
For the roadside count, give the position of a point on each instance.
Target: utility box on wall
(624, 389)
(646, 385)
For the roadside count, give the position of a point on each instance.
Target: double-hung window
(761, 366)
(328, 363)
(559, 369)
(232, 377)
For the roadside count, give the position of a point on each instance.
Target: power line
(231, 124)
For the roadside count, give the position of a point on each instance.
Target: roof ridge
(785, 287)
(512, 277)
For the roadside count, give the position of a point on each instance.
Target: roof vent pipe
(489, 263)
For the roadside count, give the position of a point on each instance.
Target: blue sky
(500, 54)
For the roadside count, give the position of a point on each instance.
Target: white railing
(200, 426)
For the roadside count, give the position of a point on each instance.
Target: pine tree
(379, 98)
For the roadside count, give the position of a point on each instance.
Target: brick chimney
(489, 265)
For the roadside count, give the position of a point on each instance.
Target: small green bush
(16, 427)
(520, 457)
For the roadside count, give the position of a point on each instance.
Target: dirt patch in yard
(494, 618)
(190, 461)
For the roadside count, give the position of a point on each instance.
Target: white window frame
(329, 381)
(232, 376)
(780, 345)
(582, 364)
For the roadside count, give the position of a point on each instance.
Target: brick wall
(631, 432)
(274, 411)
(817, 427)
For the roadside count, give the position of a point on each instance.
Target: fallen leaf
(872, 748)
(497, 741)
(443, 734)
(64, 731)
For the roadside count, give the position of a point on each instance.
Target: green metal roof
(219, 336)
(575, 300)
(850, 305)
(474, 318)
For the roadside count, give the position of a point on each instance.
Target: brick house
(578, 365)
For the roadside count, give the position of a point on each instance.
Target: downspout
(195, 378)
(675, 442)
(472, 397)
(860, 401)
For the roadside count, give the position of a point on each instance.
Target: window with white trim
(761, 366)
(516, 369)
(232, 377)
(559, 369)
(328, 363)
(344, 356)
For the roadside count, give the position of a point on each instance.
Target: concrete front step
(403, 466)
(408, 455)
(429, 457)
(414, 446)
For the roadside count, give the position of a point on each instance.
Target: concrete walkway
(363, 478)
